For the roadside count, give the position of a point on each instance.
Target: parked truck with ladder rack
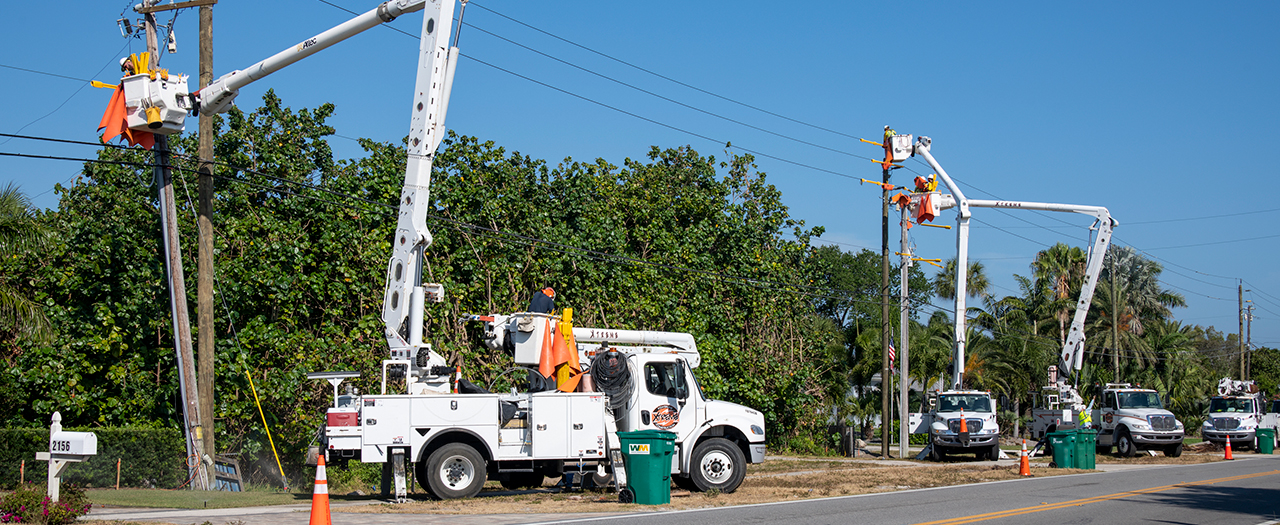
(455, 441)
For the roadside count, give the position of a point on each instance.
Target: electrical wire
(633, 114)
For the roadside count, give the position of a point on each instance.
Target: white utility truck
(458, 440)
(1132, 419)
(980, 434)
(1235, 414)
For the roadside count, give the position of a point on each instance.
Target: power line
(638, 116)
(664, 77)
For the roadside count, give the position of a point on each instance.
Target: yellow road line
(1086, 501)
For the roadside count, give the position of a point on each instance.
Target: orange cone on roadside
(963, 426)
(1228, 456)
(320, 496)
(1024, 464)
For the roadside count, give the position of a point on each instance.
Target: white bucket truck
(1235, 414)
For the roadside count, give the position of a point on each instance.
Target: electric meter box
(901, 146)
(74, 443)
(156, 105)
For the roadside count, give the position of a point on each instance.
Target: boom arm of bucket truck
(1072, 355)
(405, 293)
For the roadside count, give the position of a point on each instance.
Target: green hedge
(149, 457)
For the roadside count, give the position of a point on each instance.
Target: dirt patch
(816, 479)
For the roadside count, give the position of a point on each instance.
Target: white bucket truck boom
(456, 441)
(1072, 354)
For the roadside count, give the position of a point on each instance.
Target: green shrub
(149, 457)
(29, 504)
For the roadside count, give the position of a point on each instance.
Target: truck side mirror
(681, 389)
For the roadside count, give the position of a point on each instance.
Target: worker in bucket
(544, 301)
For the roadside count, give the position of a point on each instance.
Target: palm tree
(976, 283)
(1132, 283)
(1060, 269)
(20, 232)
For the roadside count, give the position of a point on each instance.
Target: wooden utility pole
(904, 338)
(177, 287)
(204, 263)
(1240, 337)
(1115, 317)
(886, 395)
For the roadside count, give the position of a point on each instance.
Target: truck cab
(1133, 419)
(1234, 418)
(980, 434)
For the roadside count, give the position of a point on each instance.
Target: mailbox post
(65, 448)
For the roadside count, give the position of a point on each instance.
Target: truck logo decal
(666, 416)
(637, 448)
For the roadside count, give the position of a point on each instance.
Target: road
(1245, 491)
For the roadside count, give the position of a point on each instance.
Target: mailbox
(73, 444)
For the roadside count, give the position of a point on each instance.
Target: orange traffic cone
(964, 427)
(320, 496)
(1228, 456)
(1024, 464)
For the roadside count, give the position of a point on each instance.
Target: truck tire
(454, 471)
(717, 464)
(1124, 444)
(1174, 450)
(937, 453)
(994, 453)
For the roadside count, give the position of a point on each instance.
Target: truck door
(665, 402)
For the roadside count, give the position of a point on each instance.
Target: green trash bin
(1064, 448)
(1086, 448)
(647, 456)
(1266, 440)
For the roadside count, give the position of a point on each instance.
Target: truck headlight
(1142, 426)
(755, 429)
(1206, 424)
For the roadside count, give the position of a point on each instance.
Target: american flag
(893, 354)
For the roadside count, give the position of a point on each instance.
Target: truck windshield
(970, 402)
(1230, 404)
(1140, 400)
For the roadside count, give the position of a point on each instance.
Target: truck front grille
(1225, 423)
(1162, 422)
(972, 425)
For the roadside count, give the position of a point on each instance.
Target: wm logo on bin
(638, 448)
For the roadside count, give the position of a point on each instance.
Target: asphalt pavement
(1245, 491)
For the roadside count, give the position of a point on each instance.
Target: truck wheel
(1125, 446)
(1174, 450)
(454, 471)
(994, 453)
(937, 453)
(717, 464)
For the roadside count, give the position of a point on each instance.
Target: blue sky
(1161, 111)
